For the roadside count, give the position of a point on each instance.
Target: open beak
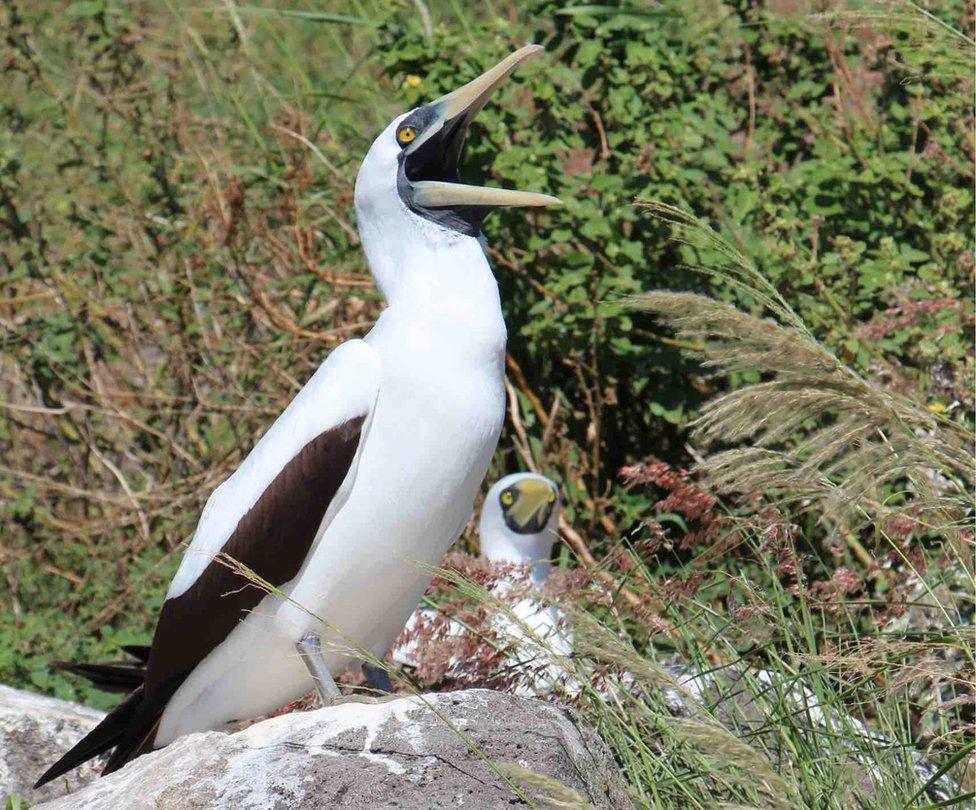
(431, 162)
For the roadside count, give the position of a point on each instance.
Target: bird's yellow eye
(507, 498)
(405, 135)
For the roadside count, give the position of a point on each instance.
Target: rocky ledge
(457, 749)
(34, 731)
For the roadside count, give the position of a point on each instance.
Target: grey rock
(410, 752)
(35, 731)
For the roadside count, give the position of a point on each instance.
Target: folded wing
(263, 519)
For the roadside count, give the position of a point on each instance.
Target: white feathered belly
(422, 464)
(420, 470)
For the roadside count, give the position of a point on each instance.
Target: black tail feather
(108, 677)
(105, 735)
(135, 745)
(130, 728)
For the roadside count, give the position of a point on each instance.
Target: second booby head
(518, 523)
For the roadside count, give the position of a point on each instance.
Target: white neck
(541, 569)
(534, 550)
(427, 269)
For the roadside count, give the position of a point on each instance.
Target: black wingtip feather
(135, 745)
(108, 677)
(105, 735)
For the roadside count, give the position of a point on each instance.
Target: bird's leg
(378, 678)
(310, 649)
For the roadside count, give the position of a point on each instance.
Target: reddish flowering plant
(682, 496)
(905, 316)
(832, 595)
(463, 644)
(678, 495)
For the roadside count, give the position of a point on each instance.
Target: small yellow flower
(412, 81)
(937, 407)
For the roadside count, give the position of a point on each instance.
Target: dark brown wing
(272, 539)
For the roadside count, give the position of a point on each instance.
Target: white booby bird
(371, 469)
(519, 522)
(518, 526)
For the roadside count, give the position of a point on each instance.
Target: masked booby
(372, 467)
(518, 526)
(519, 523)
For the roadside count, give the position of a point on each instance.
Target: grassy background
(178, 255)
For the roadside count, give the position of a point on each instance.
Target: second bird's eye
(507, 498)
(405, 135)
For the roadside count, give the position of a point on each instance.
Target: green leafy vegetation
(178, 254)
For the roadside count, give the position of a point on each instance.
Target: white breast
(435, 426)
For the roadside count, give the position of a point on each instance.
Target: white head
(519, 522)
(409, 203)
